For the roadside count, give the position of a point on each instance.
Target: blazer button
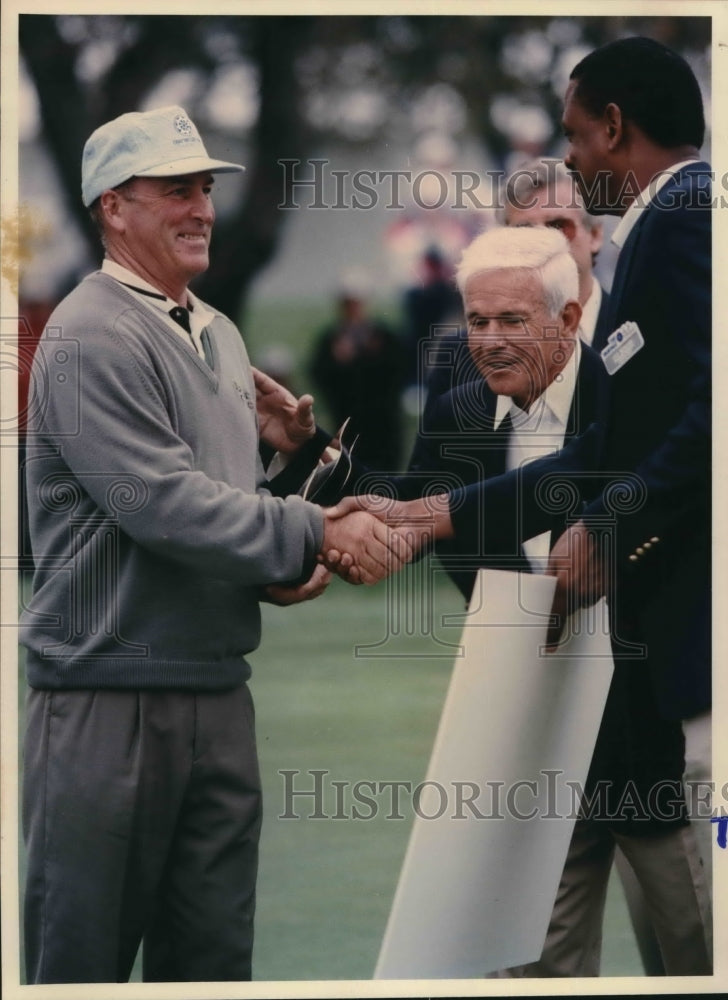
(633, 558)
(640, 551)
(646, 545)
(655, 539)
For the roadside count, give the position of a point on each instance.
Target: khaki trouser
(671, 875)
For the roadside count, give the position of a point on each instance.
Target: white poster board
(493, 825)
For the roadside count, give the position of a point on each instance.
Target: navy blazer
(657, 445)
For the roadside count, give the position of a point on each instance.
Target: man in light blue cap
(155, 536)
(158, 143)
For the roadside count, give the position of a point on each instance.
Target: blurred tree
(139, 52)
(482, 60)
(357, 80)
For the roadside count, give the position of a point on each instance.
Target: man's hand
(429, 515)
(285, 422)
(581, 577)
(361, 549)
(313, 587)
(419, 522)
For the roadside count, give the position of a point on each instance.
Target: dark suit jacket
(657, 445)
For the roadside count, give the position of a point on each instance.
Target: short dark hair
(653, 87)
(94, 209)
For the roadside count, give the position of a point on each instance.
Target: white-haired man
(155, 536)
(536, 387)
(541, 390)
(540, 193)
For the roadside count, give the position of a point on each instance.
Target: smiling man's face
(163, 229)
(517, 346)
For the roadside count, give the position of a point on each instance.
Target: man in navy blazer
(634, 122)
(638, 158)
(475, 434)
(633, 118)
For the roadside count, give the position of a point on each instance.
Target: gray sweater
(151, 527)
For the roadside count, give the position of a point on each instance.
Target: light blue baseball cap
(159, 143)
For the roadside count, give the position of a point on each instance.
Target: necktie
(182, 316)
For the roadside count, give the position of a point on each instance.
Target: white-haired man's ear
(571, 317)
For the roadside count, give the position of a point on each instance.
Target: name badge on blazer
(622, 345)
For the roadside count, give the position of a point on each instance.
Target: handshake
(369, 537)
(366, 539)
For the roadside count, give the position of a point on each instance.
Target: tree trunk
(248, 240)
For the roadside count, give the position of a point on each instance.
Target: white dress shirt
(590, 313)
(538, 432)
(200, 315)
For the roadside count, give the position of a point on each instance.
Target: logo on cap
(183, 125)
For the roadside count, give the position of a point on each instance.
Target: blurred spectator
(358, 368)
(433, 302)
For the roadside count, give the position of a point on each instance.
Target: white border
(718, 983)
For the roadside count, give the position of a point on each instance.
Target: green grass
(295, 325)
(326, 884)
